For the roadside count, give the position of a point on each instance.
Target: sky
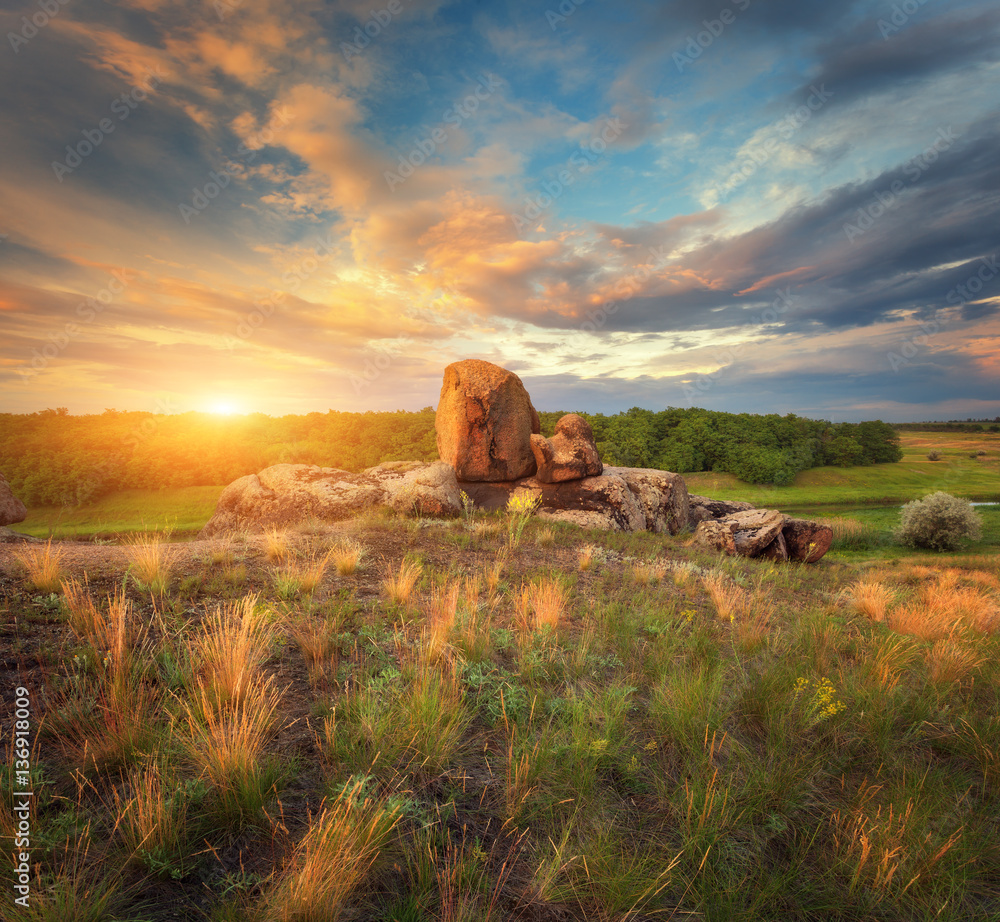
(254, 206)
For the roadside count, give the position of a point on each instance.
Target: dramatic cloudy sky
(770, 205)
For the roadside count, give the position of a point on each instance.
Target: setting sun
(222, 407)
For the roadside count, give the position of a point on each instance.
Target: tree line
(54, 458)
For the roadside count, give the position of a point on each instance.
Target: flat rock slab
(765, 533)
(8, 536)
(288, 494)
(702, 508)
(620, 499)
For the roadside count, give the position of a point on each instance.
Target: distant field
(185, 510)
(911, 478)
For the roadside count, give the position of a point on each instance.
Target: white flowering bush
(938, 522)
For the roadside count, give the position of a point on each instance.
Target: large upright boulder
(12, 510)
(484, 423)
(570, 454)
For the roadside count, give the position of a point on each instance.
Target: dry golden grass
(277, 546)
(843, 527)
(879, 848)
(754, 623)
(540, 604)
(43, 566)
(331, 862)
(346, 557)
(220, 554)
(726, 596)
(85, 618)
(399, 586)
(226, 743)
(236, 642)
(494, 574)
(152, 562)
(585, 557)
(520, 774)
(682, 575)
(643, 574)
(442, 612)
(113, 726)
(871, 598)
(318, 643)
(942, 607)
(310, 574)
(153, 818)
(546, 537)
(951, 661)
(892, 658)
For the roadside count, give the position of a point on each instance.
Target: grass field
(912, 478)
(423, 721)
(182, 511)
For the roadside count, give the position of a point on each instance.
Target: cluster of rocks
(488, 432)
(491, 447)
(739, 528)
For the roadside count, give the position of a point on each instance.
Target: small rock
(807, 541)
(570, 454)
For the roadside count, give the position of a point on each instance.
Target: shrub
(934, 455)
(938, 522)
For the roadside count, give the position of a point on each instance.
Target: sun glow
(222, 407)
